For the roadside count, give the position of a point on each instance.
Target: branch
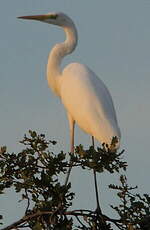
(75, 213)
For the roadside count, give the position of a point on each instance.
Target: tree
(35, 173)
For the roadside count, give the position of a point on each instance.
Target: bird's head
(59, 19)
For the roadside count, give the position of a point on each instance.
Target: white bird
(85, 97)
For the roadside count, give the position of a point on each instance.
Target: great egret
(85, 97)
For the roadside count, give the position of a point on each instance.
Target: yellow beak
(35, 17)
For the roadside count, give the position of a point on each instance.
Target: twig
(69, 213)
(80, 222)
(28, 201)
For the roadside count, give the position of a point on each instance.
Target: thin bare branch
(75, 213)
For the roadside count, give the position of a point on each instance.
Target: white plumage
(88, 102)
(85, 97)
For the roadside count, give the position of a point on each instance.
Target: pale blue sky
(114, 40)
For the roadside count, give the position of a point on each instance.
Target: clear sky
(114, 41)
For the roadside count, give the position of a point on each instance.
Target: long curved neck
(56, 55)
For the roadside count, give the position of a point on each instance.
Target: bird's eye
(53, 16)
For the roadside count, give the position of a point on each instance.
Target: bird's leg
(102, 224)
(96, 187)
(71, 126)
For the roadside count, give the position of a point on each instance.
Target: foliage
(36, 174)
(133, 208)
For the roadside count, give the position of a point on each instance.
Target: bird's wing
(88, 101)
